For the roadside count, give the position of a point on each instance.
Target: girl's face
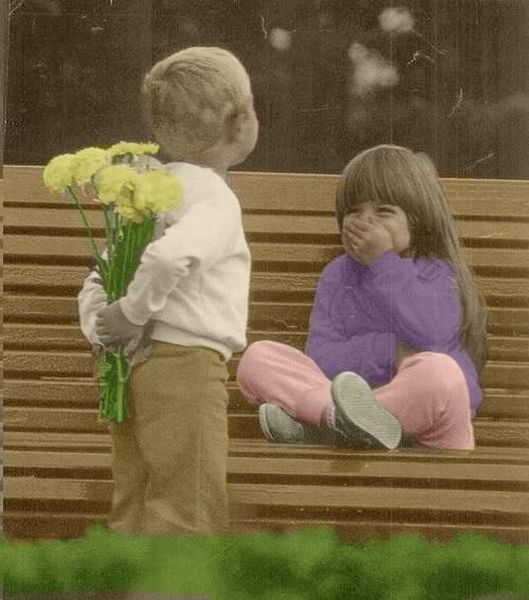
(389, 216)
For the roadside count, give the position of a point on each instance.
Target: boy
(170, 456)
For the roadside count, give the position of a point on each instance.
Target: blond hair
(189, 97)
(395, 175)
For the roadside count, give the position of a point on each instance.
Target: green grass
(312, 565)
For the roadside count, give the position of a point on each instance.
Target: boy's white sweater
(193, 280)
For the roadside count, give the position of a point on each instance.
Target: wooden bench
(57, 455)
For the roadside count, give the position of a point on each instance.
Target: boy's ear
(235, 125)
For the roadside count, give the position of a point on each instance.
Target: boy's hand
(99, 349)
(114, 329)
(365, 241)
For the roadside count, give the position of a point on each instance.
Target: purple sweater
(360, 314)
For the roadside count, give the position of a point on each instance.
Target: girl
(396, 341)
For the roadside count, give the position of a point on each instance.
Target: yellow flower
(87, 162)
(128, 211)
(116, 183)
(158, 191)
(132, 148)
(58, 173)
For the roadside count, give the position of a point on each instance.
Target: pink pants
(428, 395)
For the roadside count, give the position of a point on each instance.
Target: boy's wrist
(132, 315)
(113, 328)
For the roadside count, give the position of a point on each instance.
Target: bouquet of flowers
(131, 191)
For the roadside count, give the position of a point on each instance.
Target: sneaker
(360, 417)
(279, 427)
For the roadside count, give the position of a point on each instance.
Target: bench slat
(37, 524)
(274, 252)
(311, 192)
(264, 316)
(81, 364)
(58, 336)
(462, 475)
(83, 393)
(68, 225)
(474, 504)
(488, 432)
(260, 448)
(64, 308)
(315, 193)
(285, 257)
(43, 280)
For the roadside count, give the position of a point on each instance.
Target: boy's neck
(215, 158)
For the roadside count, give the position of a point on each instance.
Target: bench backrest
(290, 225)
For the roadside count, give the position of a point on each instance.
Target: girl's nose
(367, 213)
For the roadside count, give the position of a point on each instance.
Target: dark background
(75, 67)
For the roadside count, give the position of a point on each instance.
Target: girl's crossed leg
(428, 395)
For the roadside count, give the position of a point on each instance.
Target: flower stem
(128, 251)
(97, 255)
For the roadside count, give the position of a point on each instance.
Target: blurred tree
(330, 77)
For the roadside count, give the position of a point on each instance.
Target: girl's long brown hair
(396, 175)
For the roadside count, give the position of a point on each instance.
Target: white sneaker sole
(263, 423)
(356, 402)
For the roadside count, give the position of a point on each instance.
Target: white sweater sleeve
(201, 234)
(90, 300)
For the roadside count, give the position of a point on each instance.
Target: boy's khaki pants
(170, 456)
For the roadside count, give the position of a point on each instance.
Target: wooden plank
(50, 419)
(482, 454)
(37, 488)
(471, 503)
(42, 308)
(488, 432)
(61, 525)
(355, 469)
(57, 365)
(57, 281)
(26, 392)
(295, 317)
(58, 220)
(466, 504)
(38, 336)
(264, 317)
(68, 462)
(22, 525)
(260, 448)
(85, 420)
(505, 404)
(310, 192)
(306, 258)
(506, 375)
(275, 316)
(60, 279)
(512, 404)
(314, 192)
(58, 336)
(51, 365)
(53, 440)
(24, 184)
(357, 531)
(498, 433)
(33, 525)
(68, 225)
(327, 471)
